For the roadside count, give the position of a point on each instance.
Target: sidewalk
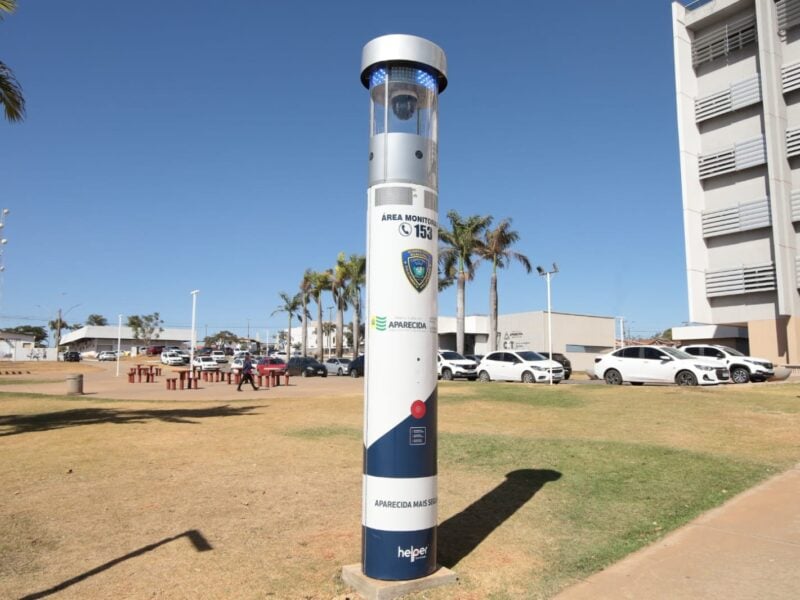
(746, 549)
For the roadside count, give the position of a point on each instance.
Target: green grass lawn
(611, 469)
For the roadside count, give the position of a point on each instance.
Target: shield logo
(417, 266)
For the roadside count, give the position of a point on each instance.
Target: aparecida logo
(379, 323)
(412, 553)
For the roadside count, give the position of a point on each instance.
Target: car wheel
(447, 374)
(324, 374)
(354, 373)
(740, 375)
(613, 377)
(686, 378)
(339, 372)
(527, 377)
(484, 376)
(303, 374)
(472, 378)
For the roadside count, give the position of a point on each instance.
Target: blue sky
(172, 146)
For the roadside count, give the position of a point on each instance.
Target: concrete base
(377, 589)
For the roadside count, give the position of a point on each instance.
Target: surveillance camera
(404, 104)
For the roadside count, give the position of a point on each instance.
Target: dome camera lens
(404, 106)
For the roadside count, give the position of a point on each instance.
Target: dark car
(305, 366)
(154, 350)
(357, 367)
(560, 358)
(72, 356)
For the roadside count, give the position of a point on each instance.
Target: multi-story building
(737, 74)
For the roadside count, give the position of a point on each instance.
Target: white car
(451, 365)
(171, 358)
(205, 363)
(525, 366)
(219, 356)
(338, 366)
(107, 355)
(742, 368)
(657, 364)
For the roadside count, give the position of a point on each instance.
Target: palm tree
(320, 281)
(496, 248)
(95, 319)
(461, 243)
(339, 293)
(356, 269)
(10, 90)
(291, 306)
(305, 288)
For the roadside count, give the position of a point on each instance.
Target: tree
(496, 248)
(221, 338)
(305, 288)
(356, 269)
(461, 243)
(98, 320)
(10, 90)
(57, 325)
(339, 293)
(291, 306)
(320, 282)
(39, 333)
(327, 329)
(146, 328)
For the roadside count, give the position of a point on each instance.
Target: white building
(96, 338)
(578, 337)
(737, 74)
(19, 346)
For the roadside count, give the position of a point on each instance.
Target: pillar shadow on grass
(199, 542)
(462, 533)
(16, 424)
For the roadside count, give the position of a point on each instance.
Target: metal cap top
(402, 48)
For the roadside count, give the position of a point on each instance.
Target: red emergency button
(418, 409)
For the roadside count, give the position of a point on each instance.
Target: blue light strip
(402, 74)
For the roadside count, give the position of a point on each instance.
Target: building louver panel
(724, 39)
(795, 205)
(790, 77)
(740, 280)
(743, 155)
(797, 270)
(793, 142)
(738, 95)
(788, 14)
(744, 217)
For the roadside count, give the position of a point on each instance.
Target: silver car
(338, 366)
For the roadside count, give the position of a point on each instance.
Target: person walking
(247, 373)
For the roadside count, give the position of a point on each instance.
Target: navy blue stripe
(394, 455)
(387, 555)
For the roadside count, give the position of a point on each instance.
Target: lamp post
(119, 340)
(3, 242)
(330, 324)
(194, 334)
(547, 275)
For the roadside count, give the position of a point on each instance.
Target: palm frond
(11, 94)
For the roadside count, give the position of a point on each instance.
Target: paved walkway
(749, 548)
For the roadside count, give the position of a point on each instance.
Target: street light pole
(194, 333)
(546, 275)
(119, 340)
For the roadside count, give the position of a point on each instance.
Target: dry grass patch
(261, 497)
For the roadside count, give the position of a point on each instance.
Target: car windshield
(675, 353)
(731, 351)
(529, 355)
(452, 356)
